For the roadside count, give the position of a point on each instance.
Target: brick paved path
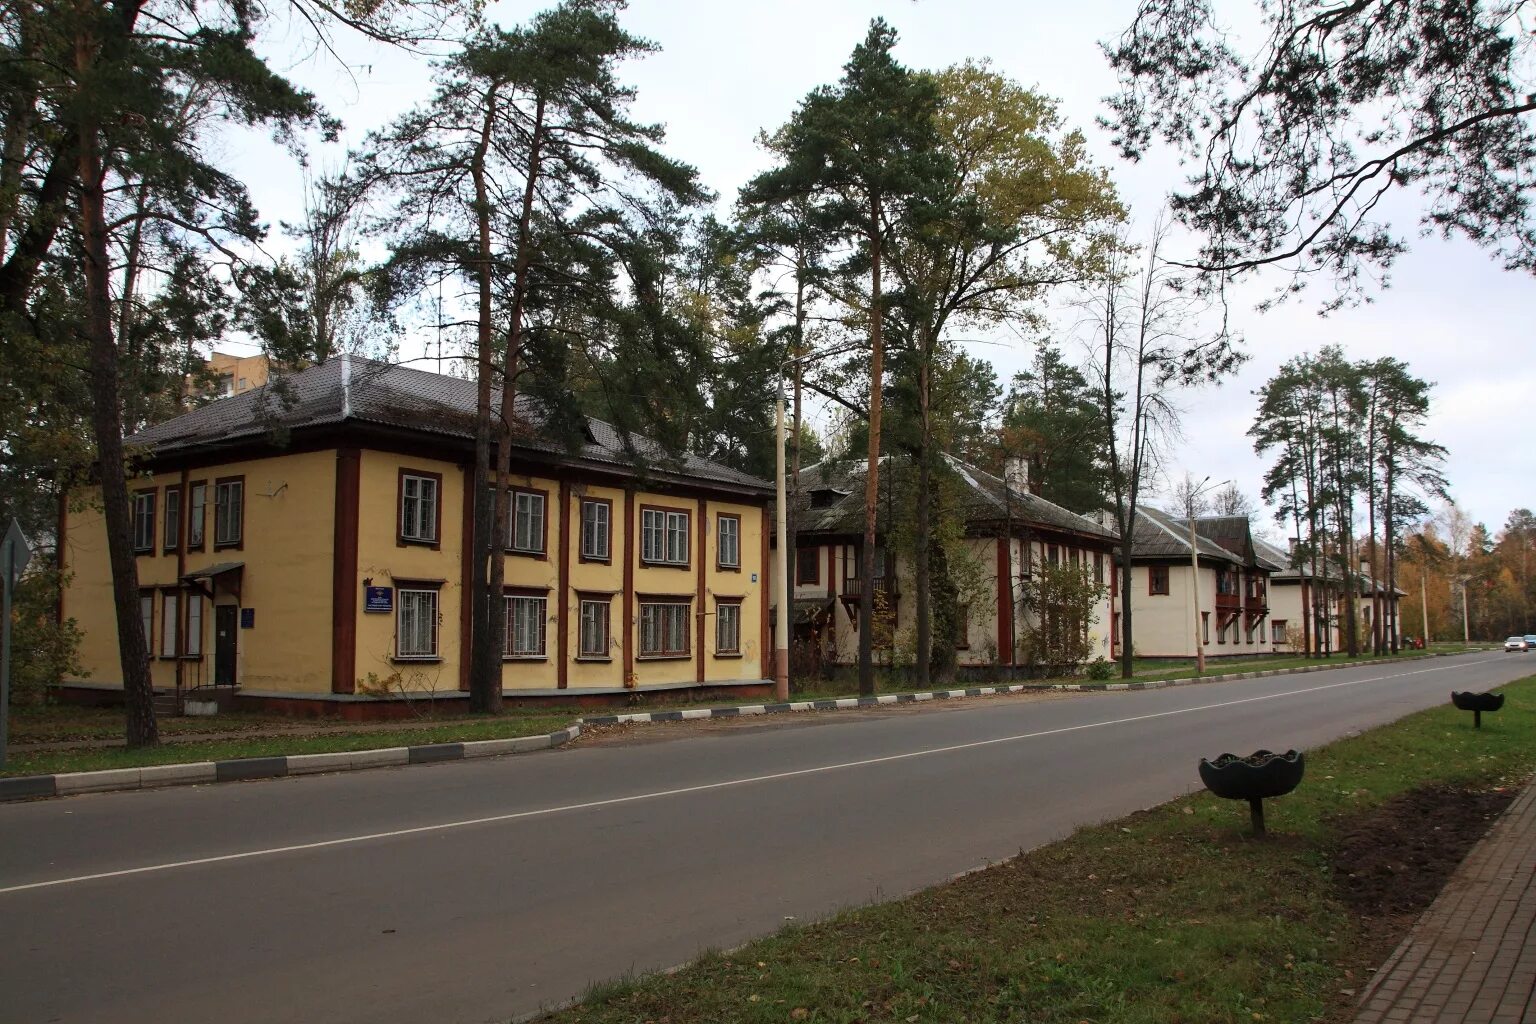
(1471, 959)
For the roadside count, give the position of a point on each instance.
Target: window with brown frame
(1205, 627)
(526, 616)
(596, 529)
(192, 646)
(727, 627)
(1277, 631)
(1098, 567)
(418, 496)
(228, 512)
(416, 620)
(172, 518)
(664, 631)
(528, 525)
(170, 623)
(147, 615)
(808, 566)
(144, 521)
(1157, 580)
(664, 536)
(728, 542)
(197, 514)
(593, 632)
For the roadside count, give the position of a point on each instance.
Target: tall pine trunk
(872, 475)
(922, 570)
(524, 243)
(485, 659)
(107, 423)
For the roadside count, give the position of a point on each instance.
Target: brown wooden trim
(308, 440)
(702, 613)
(1004, 601)
(631, 626)
(677, 600)
(149, 636)
(344, 582)
(640, 552)
(831, 570)
(467, 595)
(182, 525)
(155, 652)
(1152, 577)
(764, 587)
(239, 543)
(417, 583)
(401, 540)
(604, 598)
(202, 542)
(154, 516)
(543, 553)
(719, 517)
(563, 575)
(59, 560)
(581, 526)
(659, 597)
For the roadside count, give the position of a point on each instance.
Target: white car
(1514, 643)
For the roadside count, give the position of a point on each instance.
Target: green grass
(1171, 915)
(21, 762)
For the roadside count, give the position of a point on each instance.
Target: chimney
(1016, 474)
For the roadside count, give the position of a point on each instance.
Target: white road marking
(705, 787)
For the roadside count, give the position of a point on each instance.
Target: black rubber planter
(1254, 778)
(1477, 703)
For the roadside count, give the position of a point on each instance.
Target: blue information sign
(379, 599)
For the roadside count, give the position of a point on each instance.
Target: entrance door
(226, 621)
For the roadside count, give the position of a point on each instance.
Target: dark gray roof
(351, 389)
(986, 499)
(1160, 535)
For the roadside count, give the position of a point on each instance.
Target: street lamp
(1194, 571)
(781, 627)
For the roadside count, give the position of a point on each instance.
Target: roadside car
(1530, 641)
(1515, 643)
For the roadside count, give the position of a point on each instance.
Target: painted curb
(31, 787)
(973, 691)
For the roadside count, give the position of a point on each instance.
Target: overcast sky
(729, 69)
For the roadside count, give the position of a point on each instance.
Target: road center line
(705, 787)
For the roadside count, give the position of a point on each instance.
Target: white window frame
(728, 612)
(147, 615)
(170, 631)
(228, 509)
(664, 537)
(596, 530)
(535, 539)
(526, 619)
(728, 528)
(197, 514)
(660, 621)
(172, 527)
(593, 625)
(419, 601)
(193, 647)
(143, 521)
(418, 511)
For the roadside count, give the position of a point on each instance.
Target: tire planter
(1254, 778)
(1477, 703)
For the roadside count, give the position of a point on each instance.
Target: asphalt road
(481, 890)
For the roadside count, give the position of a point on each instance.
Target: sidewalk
(1471, 958)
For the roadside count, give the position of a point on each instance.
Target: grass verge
(24, 762)
(1170, 915)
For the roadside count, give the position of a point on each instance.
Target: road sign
(15, 553)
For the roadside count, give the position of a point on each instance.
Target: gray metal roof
(351, 389)
(985, 499)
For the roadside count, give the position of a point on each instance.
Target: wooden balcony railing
(854, 586)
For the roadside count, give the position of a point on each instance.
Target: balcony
(854, 587)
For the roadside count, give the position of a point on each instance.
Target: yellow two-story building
(305, 546)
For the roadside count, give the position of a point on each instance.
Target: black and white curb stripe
(31, 786)
(844, 703)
